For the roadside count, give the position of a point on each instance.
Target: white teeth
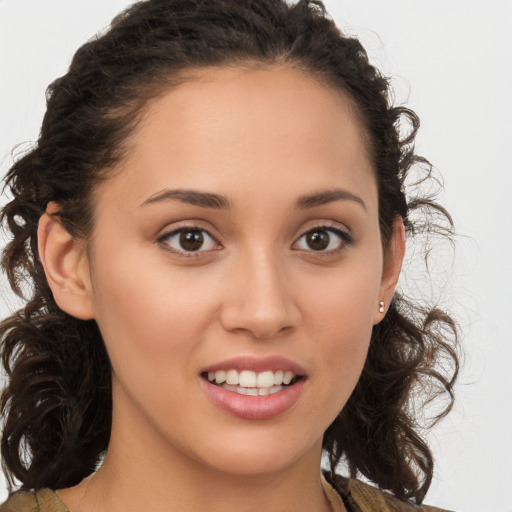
(265, 379)
(235, 389)
(278, 377)
(232, 377)
(251, 383)
(287, 378)
(220, 377)
(253, 391)
(247, 379)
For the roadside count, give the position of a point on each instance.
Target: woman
(213, 223)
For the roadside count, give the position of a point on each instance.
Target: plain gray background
(451, 62)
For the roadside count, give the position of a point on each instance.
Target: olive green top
(43, 500)
(360, 497)
(356, 496)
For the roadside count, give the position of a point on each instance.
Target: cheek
(340, 317)
(149, 314)
(344, 300)
(344, 336)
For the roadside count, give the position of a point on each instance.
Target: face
(236, 252)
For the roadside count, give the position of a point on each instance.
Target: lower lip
(254, 407)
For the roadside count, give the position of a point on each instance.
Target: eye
(323, 239)
(189, 239)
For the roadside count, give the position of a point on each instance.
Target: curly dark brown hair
(57, 405)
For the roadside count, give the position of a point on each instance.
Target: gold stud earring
(381, 307)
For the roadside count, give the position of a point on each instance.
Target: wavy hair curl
(57, 404)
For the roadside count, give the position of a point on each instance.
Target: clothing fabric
(358, 496)
(355, 495)
(42, 500)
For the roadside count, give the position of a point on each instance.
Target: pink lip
(254, 407)
(257, 364)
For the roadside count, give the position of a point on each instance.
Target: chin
(260, 454)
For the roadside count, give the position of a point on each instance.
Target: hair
(57, 405)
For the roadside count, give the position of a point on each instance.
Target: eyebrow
(194, 197)
(328, 196)
(220, 202)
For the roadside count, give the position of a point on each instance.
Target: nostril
(260, 306)
(258, 329)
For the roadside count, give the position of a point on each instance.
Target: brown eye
(318, 240)
(186, 240)
(323, 239)
(191, 240)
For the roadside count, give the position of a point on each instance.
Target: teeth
(219, 376)
(253, 391)
(265, 379)
(278, 377)
(287, 378)
(249, 380)
(232, 377)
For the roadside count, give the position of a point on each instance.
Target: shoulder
(43, 500)
(20, 502)
(362, 497)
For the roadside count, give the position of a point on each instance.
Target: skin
(262, 139)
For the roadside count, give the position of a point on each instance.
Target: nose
(259, 300)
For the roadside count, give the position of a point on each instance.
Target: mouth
(251, 383)
(254, 388)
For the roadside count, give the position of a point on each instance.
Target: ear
(393, 258)
(66, 266)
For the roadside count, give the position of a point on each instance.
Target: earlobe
(66, 267)
(393, 259)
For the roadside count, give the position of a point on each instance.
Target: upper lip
(257, 364)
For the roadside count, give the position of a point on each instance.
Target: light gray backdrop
(451, 61)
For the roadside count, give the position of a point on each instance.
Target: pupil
(191, 240)
(318, 240)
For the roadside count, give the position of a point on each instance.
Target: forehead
(256, 99)
(237, 128)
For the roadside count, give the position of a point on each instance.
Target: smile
(254, 388)
(250, 383)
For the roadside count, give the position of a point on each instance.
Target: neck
(114, 489)
(152, 475)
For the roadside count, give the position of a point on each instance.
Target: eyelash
(183, 229)
(345, 239)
